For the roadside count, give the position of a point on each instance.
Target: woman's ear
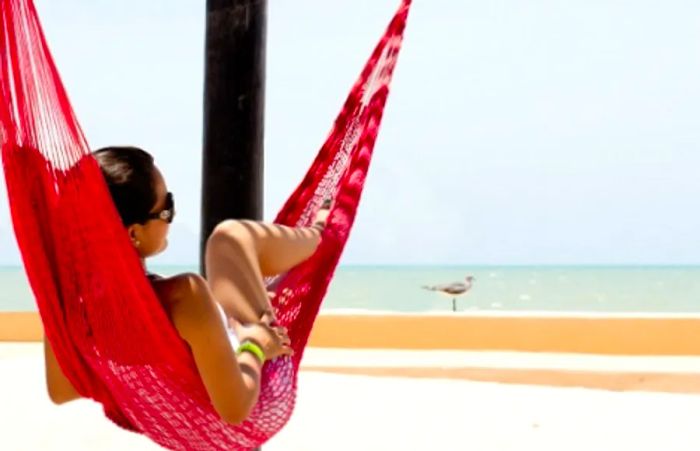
(134, 232)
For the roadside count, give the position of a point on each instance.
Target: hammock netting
(110, 333)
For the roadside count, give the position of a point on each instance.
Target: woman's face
(150, 238)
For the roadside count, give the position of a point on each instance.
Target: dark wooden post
(234, 106)
(234, 94)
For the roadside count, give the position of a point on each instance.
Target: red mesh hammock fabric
(110, 334)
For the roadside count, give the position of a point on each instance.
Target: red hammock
(110, 334)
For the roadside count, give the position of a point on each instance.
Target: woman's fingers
(274, 340)
(267, 318)
(283, 340)
(282, 333)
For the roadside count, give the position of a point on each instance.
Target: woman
(204, 312)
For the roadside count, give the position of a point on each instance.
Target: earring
(137, 243)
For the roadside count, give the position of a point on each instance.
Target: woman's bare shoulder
(178, 287)
(188, 301)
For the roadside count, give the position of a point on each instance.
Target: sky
(516, 133)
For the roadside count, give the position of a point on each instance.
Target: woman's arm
(59, 387)
(232, 382)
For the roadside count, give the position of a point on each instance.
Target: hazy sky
(516, 132)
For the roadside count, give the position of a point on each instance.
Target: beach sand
(356, 412)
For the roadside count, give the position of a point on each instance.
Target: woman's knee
(229, 233)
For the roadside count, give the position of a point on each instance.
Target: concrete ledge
(619, 335)
(532, 332)
(20, 326)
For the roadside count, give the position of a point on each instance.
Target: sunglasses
(167, 214)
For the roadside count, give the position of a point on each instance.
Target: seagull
(453, 289)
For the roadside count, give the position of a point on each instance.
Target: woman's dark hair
(129, 172)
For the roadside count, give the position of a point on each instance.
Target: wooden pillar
(234, 94)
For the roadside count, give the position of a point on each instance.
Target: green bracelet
(249, 346)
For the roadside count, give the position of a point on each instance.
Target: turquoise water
(573, 289)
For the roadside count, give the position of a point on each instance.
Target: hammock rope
(110, 333)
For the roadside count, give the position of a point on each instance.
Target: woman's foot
(322, 215)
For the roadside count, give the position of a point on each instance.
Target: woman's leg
(240, 253)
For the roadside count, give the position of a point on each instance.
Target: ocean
(646, 289)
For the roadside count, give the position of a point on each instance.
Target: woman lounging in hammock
(206, 312)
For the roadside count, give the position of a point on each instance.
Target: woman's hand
(273, 340)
